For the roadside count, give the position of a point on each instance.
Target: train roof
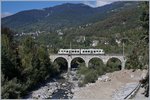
(81, 49)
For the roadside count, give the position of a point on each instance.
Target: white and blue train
(81, 51)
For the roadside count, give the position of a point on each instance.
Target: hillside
(85, 27)
(123, 25)
(61, 16)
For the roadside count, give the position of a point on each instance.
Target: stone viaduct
(87, 58)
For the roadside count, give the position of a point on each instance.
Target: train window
(88, 51)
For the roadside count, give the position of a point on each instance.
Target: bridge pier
(123, 64)
(87, 63)
(69, 64)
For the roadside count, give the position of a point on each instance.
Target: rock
(104, 78)
(39, 96)
(56, 90)
(63, 84)
(50, 96)
(132, 76)
(54, 79)
(66, 91)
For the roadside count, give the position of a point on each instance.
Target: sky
(12, 7)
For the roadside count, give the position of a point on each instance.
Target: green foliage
(56, 68)
(97, 65)
(82, 69)
(23, 65)
(11, 89)
(90, 74)
(90, 77)
(62, 64)
(113, 65)
(139, 55)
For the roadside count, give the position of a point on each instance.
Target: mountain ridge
(60, 16)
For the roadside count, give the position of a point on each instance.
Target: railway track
(134, 92)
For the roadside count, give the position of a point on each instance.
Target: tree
(139, 56)
(145, 20)
(23, 65)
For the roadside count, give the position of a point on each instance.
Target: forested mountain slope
(61, 16)
(122, 25)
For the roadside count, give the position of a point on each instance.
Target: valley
(75, 51)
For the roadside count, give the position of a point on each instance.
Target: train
(81, 51)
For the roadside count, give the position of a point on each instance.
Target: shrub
(90, 76)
